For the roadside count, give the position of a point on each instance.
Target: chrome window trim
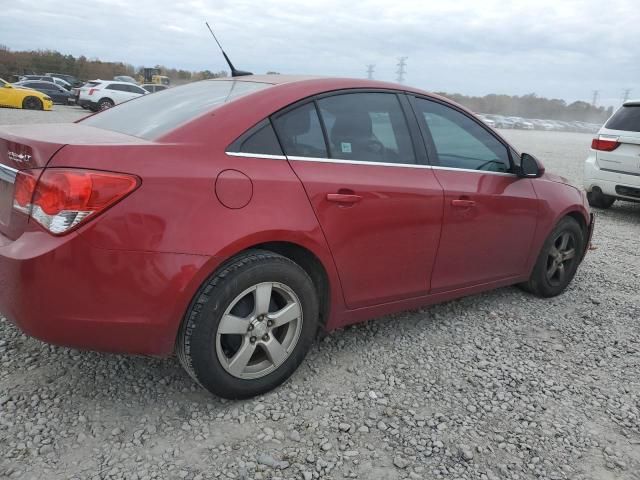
(8, 174)
(357, 162)
(508, 174)
(256, 155)
(403, 165)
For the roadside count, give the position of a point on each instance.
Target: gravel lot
(501, 385)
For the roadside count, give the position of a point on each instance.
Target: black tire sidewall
(539, 282)
(32, 103)
(598, 199)
(203, 325)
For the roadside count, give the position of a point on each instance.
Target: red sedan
(229, 220)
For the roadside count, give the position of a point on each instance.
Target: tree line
(533, 106)
(14, 63)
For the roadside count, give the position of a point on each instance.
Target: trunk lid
(31, 147)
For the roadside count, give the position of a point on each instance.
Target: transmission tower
(402, 64)
(594, 101)
(626, 94)
(370, 69)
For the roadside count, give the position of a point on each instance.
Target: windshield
(152, 116)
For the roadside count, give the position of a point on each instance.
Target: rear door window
(626, 118)
(367, 127)
(300, 132)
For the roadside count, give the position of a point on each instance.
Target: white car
(102, 94)
(612, 170)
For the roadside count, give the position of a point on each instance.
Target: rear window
(152, 116)
(627, 119)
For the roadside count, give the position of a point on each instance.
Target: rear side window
(115, 86)
(300, 132)
(626, 118)
(152, 116)
(260, 140)
(367, 127)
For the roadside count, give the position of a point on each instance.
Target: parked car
(84, 89)
(47, 78)
(104, 94)
(501, 121)
(521, 123)
(154, 87)
(539, 124)
(612, 169)
(70, 79)
(486, 119)
(21, 97)
(254, 211)
(57, 93)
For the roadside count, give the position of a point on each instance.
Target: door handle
(343, 198)
(460, 203)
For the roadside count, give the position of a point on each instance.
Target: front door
(489, 213)
(379, 210)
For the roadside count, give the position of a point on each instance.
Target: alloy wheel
(259, 330)
(561, 255)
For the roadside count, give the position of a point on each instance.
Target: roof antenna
(234, 72)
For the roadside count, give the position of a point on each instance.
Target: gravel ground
(496, 386)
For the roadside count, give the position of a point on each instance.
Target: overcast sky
(555, 48)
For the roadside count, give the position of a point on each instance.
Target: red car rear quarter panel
(176, 209)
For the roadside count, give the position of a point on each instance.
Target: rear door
(489, 213)
(380, 209)
(623, 126)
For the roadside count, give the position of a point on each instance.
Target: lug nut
(260, 318)
(250, 326)
(270, 323)
(253, 339)
(265, 337)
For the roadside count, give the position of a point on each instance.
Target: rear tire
(105, 104)
(32, 103)
(597, 199)
(558, 260)
(250, 325)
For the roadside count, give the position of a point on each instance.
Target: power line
(626, 94)
(402, 64)
(370, 69)
(596, 94)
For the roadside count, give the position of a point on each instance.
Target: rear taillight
(605, 144)
(63, 198)
(91, 90)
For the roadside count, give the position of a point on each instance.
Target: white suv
(612, 169)
(103, 94)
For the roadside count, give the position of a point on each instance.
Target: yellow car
(13, 96)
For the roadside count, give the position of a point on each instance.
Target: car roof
(632, 102)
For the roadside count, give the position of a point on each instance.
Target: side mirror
(530, 167)
(8, 85)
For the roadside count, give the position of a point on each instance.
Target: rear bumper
(610, 182)
(63, 291)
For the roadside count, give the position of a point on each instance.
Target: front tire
(32, 103)
(250, 325)
(597, 199)
(558, 260)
